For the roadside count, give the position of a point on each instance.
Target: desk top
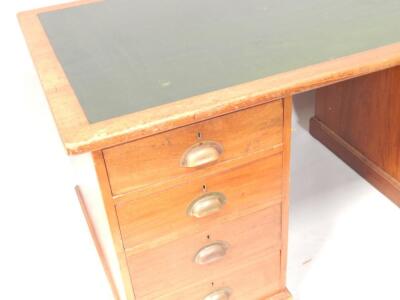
(120, 66)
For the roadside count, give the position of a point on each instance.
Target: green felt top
(123, 56)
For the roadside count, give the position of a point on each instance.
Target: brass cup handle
(211, 253)
(201, 154)
(222, 294)
(206, 204)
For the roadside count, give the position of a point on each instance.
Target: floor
(344, 235)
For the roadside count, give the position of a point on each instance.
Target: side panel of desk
(97, 204)
(359, 120)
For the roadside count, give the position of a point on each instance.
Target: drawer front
(254, 281)
(205, 257)
(202, 145)
(199, 203)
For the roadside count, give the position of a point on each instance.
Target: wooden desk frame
(79, 136)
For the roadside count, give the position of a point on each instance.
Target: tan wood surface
(162, 216)
(284, 295)
(287, 136)
(202, 172)
(357, 119)
(355, 159)
(164, 270)
(113, 225)
(79, 136)
(157, 159)
(253, 280)
(364, 114)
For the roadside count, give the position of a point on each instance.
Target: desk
(177, 119)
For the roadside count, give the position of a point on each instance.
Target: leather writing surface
(122, 56)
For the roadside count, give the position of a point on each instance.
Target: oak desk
(177, 114)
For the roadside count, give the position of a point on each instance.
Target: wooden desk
(177, 118)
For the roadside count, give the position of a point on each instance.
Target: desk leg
(359, 120)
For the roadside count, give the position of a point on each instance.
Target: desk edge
(79, 136)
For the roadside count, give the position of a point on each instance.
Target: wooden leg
(359, 120)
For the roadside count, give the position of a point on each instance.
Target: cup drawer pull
(207, 204)
(201, 154)
(222, 294)
(211, 253)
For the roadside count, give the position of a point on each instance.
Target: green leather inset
(123, 56)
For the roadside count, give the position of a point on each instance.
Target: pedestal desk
(176, 115)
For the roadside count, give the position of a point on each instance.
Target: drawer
(202, 145)
(199, 203)
(254, 281)
(206, 257)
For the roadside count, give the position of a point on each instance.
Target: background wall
(344, 235)
(46, 250)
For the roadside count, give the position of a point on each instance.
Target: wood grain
(161, 217)
(79, 136)
(157, 159)
(359, 122)
(255, 280)
(169, 268)
(113, 225)
(365, 113)
(355, 159)
(217, 168)
(287, 136)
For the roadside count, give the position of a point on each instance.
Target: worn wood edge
(113, 223)
(79, 136)
(96, 242)
(287, 137)
(283, 295)
(199, 108)
(66, 109)
(375, 175)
